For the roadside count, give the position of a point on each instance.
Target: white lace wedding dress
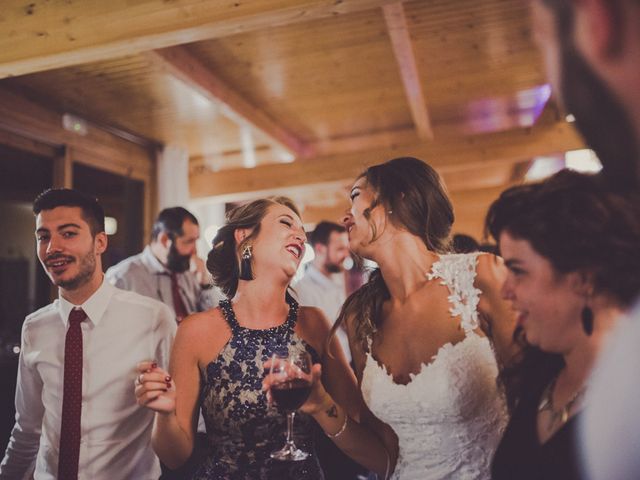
(450, 417)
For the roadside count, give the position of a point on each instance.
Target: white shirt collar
(320, 277)
(94, 306)
(152, 263)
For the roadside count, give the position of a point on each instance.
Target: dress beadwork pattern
(242, 430)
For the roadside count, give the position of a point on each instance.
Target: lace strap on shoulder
(458, 273)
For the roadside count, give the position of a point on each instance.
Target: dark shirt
(521, 456)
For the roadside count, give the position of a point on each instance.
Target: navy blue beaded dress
(242, 430)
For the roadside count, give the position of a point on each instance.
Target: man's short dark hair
(323, 231)
(92, 212)
(170, 221)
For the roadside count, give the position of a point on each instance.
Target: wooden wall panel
(23, 118)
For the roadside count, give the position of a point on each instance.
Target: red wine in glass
(291, 395)
(290, 377)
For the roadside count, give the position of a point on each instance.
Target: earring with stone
(246, 272)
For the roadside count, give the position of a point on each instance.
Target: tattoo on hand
(332, 412)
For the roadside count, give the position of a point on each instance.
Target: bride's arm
(367, 418)
(339, 409)
(496, 315)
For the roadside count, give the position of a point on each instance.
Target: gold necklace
(561, 414)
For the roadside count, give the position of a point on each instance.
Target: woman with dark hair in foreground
(572, 255)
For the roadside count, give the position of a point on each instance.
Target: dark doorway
(24, 287)
(122, 199)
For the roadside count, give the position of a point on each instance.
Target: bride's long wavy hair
(413, 191)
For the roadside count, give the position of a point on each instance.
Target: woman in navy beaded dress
(217, 362)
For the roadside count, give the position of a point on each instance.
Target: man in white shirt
(592, 53)
(168, 269)
(323, 283)
(76, 413)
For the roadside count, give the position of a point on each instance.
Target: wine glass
(290, 377)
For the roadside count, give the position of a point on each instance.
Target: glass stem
(290, 417)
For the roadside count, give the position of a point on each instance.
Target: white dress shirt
(122, 329)
(145, 274)
(328, 294)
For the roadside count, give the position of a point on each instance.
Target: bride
(429, 329)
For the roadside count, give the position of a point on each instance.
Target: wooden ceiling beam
(182, 64)
(368, 141)
(22, 117)
(476, 178)
(316, 214)
(446, 156)
(18, 142)
(481, 197)
(470, 208)
(403, 51)
(332, 146)
(37, 36)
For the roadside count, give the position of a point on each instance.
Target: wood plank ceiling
(317, 89)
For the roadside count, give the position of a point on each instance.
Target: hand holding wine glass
(289, 382)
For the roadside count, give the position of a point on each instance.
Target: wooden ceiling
(312, 90)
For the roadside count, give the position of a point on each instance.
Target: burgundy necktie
(178, 304)
(69, 453)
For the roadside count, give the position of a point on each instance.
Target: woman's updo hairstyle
(223, 259)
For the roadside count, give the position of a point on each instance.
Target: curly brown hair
(578, 226)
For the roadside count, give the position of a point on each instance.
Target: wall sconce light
(110, 225)
(74, 124)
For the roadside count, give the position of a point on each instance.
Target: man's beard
(333, 267)
(177, 263)
(601, 119)
(86, 269)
